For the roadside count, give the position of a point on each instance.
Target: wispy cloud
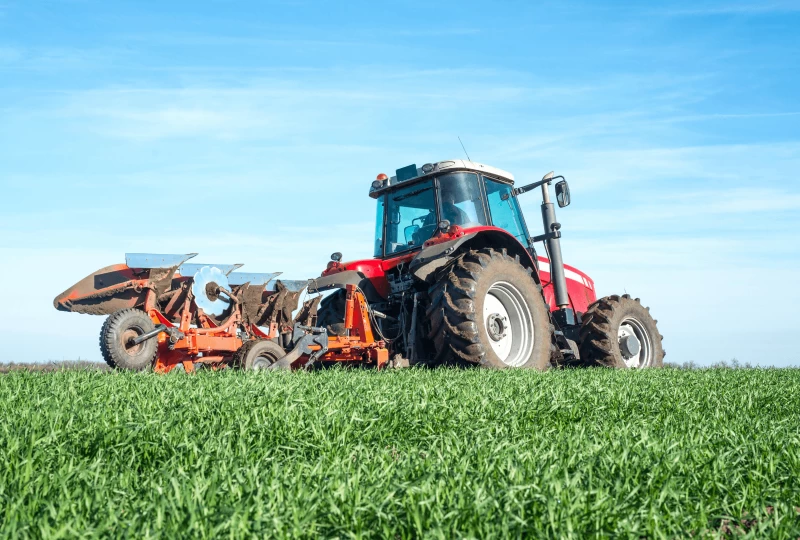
(54, 59)
(727, 166)
(736, 8)
(289, 100)
(730, 116)
(434, 31)
(262, 107)
(725, 214)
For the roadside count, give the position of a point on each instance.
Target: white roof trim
(440, 166)
(444, 166)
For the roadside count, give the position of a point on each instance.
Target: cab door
(506, 214)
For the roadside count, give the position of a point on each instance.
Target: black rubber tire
(117, 329)
(599, 344)
(330, 313)
(257, 354)
(458, 330)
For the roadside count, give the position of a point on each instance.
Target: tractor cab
(417, 202)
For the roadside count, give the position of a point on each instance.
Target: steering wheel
(423, 234)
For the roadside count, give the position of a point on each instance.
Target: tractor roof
(412, 174)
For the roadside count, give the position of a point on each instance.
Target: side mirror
(562, 193)
(409, 232)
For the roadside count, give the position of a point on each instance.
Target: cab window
(505, 214)
(410, 217)
(379, 227)
(460, 200)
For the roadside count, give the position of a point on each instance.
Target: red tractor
(455, 280)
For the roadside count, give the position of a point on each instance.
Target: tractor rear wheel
(619, 332)
(486, 309)
(118, 329)
(257, 355)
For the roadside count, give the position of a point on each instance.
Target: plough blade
(122, 286)
(156, 260)
(294, 285)
(188, 270)
(254, 279)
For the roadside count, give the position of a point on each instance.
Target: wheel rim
(509, 324)
(132, 333)
(633, 328)
(263, 361)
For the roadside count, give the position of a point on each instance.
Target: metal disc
(205, 281)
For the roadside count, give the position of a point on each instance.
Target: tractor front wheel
(115, 336)
(619, 332)
(486, 309)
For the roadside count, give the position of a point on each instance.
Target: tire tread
(452, 309)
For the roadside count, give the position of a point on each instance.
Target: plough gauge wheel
(116, 335)
(257, 355)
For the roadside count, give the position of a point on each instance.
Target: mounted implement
(455, 280)
(166, 313)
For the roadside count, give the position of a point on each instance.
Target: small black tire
(117, 330)
(257, 355)
(330, 314)
(601, 339)
(461, 331)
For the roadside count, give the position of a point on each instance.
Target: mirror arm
(524, 189)
(543, 237)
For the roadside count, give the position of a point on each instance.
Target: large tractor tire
(487, 310)
(619, 332)
(257, 355)
(330, 313)
(119, 328)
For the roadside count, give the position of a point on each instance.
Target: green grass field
(401, 454)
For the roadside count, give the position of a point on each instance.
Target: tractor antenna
(465, 150)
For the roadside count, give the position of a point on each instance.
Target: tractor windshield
(410, 217)
(461, 199)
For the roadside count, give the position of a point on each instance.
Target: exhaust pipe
(553, 243)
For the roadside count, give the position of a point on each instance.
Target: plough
(166, 314)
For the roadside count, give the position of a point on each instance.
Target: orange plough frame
(214, 344)
(209, 344)
(358, 345)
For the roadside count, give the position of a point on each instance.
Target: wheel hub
(212, 291)
(261, 363)
(634, 342)
(496, 326)
(629, 346)
(127, 336)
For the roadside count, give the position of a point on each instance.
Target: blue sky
(249, 132)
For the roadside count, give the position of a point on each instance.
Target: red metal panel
(580, 287)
